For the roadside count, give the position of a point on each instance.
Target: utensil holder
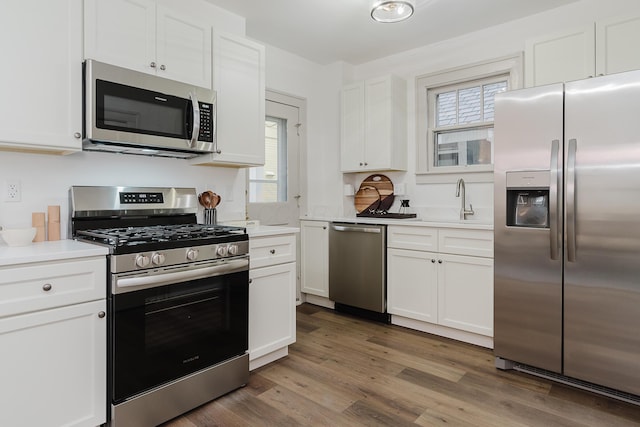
(210, 216)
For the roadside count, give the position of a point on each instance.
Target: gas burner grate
(128, 236)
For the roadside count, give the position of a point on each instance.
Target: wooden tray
(385, 189)
(367, 198)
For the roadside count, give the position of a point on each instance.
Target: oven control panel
(176, 256)
(146, 197)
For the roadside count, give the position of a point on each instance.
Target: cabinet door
(272, 308)
(465, 293)
(616, 48)
(40, 82)
(122, 33)
(239, 80)
(412, 287)
(183, 48)
(352, 129)
(53, 367)
(565, 56)
(314, 254)
(378, 117)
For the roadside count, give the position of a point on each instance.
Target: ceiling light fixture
(391, 10)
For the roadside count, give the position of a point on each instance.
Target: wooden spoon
(206, 200)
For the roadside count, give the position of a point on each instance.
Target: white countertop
(48, 251)
(439, 223)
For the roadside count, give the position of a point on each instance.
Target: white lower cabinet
(314, 268)
(53, 342)
(272, 298)
(448, 291)
(53, 367)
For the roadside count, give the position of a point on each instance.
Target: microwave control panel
(206, 122)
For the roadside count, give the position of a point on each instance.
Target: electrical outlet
(12, 190)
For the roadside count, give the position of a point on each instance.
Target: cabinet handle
(272, 251)
(77, 135)
(101, 314)
(439, 261)
(47, 287)
(152, 65)
(162, 67)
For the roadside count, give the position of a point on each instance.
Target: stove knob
(157, 258)
(233, 250)
(142, 260)
(222, 250)
(192, 254)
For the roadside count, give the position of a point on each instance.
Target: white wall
(494, 42)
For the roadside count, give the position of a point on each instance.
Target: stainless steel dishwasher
(357, 269)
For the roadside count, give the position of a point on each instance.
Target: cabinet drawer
(466, 242)
(415, 238)
(271, 250)
(23, 289)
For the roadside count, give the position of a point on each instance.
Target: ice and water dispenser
(528, 199)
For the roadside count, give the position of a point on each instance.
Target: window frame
(281, 174)
(426, 85)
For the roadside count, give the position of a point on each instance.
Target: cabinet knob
(162, 67)
(47, 287)
(324, 227)
(439, 261)
(102, 314)
(272, 251)
(152, 65)
(366, 164)
(218, 151)
(77, 135)
(361, 164)
(250, 280)
(433, 261)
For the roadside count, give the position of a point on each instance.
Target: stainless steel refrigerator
(567, 231)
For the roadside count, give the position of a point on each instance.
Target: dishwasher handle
(356, 229)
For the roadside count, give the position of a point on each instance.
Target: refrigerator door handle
(553, 199)
(571, 200)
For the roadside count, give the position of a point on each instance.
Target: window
(462, 134)
(455, 118)
(268, 183)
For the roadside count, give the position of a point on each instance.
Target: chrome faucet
(461, 192)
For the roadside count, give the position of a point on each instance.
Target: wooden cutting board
(367, 198)
(384, 186)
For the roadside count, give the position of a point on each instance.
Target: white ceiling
(325, 31)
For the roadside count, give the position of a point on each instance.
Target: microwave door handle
(195, 131)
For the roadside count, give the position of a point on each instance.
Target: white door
(274, 189)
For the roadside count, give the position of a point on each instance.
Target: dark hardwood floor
(346, 371)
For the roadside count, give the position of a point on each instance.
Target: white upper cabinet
(374, 125)
(143, 36)
(239, 80)
(604, 47)
(616, 45)
(41, 80)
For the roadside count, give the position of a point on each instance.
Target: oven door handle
(127, 284)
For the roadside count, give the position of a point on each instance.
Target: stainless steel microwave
(130, 112)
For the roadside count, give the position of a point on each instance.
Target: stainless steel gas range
(177, 300)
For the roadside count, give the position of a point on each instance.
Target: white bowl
(18, 236)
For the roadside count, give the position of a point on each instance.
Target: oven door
(162, 333)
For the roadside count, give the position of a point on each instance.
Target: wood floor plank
(347, 371)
